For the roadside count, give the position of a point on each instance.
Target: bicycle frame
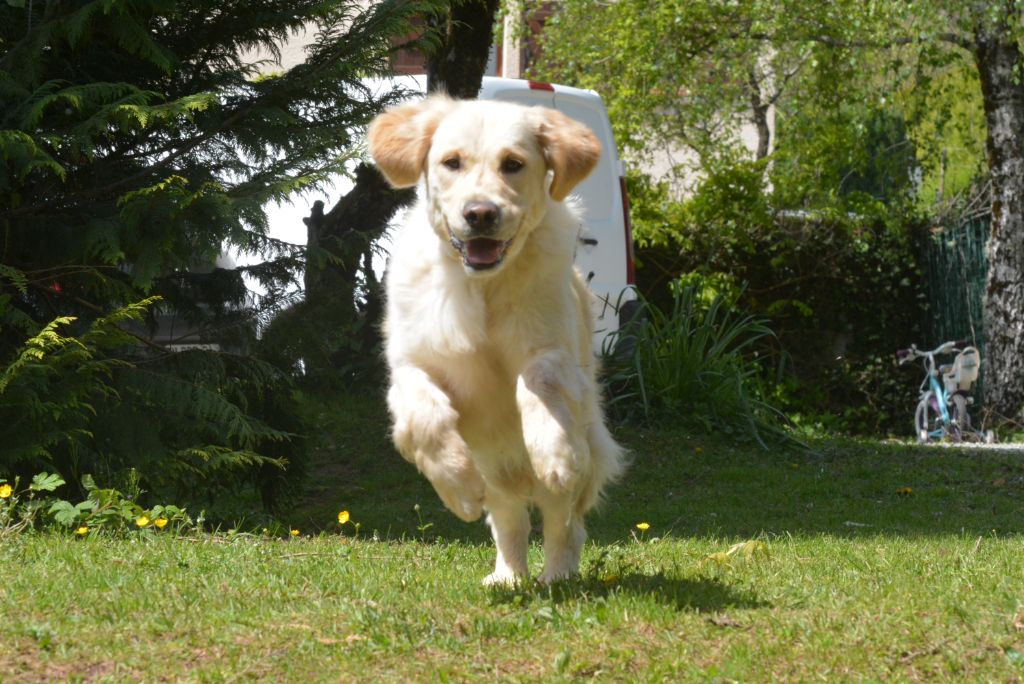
(946, 393)
(934, 397)
(939, 392)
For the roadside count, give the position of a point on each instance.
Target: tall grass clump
(697, 362)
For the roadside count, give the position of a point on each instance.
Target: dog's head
(490, 169)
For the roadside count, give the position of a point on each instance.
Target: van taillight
(630, 264)
(537, 85)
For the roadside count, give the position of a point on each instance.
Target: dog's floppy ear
(400, 138)
(570, 148)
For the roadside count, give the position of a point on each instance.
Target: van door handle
(589, 241)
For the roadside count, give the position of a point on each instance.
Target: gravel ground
(972, 446)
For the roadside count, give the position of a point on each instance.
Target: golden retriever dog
(488, 327)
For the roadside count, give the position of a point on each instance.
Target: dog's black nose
(481, 216)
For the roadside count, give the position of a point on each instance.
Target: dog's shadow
(705, 594)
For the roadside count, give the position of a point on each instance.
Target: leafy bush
(100, 402)
(50, 390)
(841, 289)
(326, 344)
(696, 362)
(102, 509)
(20, 508)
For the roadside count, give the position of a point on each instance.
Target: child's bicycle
(942, 411)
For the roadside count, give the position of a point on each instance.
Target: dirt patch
(24, 661)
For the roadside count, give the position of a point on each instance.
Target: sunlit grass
(712, 561)
(805, 607)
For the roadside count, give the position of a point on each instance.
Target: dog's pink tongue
(483, 251)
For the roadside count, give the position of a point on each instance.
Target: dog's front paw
(559, 476)
(467, 510)
(558, 458)
(558, 463)
(461, 490)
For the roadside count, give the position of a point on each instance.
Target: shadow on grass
(694, 594)
(688, 484)
(704, 486)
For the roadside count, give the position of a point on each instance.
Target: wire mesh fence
(956, 270)
(956, 266)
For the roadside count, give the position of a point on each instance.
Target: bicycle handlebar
(944, 348)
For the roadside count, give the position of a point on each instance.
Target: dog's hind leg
(510, 526)
(564, 536)
(425, 433)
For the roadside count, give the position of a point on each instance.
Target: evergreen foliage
(140, 141)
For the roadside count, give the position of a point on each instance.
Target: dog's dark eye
(452, 163)
(511, 165)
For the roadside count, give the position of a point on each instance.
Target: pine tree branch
(95, 308)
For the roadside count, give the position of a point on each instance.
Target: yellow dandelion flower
(82, 531)
(295, 533)
(160, 523)
(643, 527)
(904, 491)
(142, 521)
(343, 517)
(6, 491)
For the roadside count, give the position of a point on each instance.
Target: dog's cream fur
(493, 393)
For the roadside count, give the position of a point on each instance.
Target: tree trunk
(467, 32)
(759, 109)
(998, 60)
(360, 218)
(337, 246)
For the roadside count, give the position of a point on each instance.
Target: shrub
(696, 362)
(102, 509)
(842, 290)
(90, 398)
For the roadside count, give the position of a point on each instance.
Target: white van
(604, 254)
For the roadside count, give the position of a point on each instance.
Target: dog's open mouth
(480, 254)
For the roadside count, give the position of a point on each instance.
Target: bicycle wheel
(927, 419)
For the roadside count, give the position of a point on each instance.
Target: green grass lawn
(872, 561)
